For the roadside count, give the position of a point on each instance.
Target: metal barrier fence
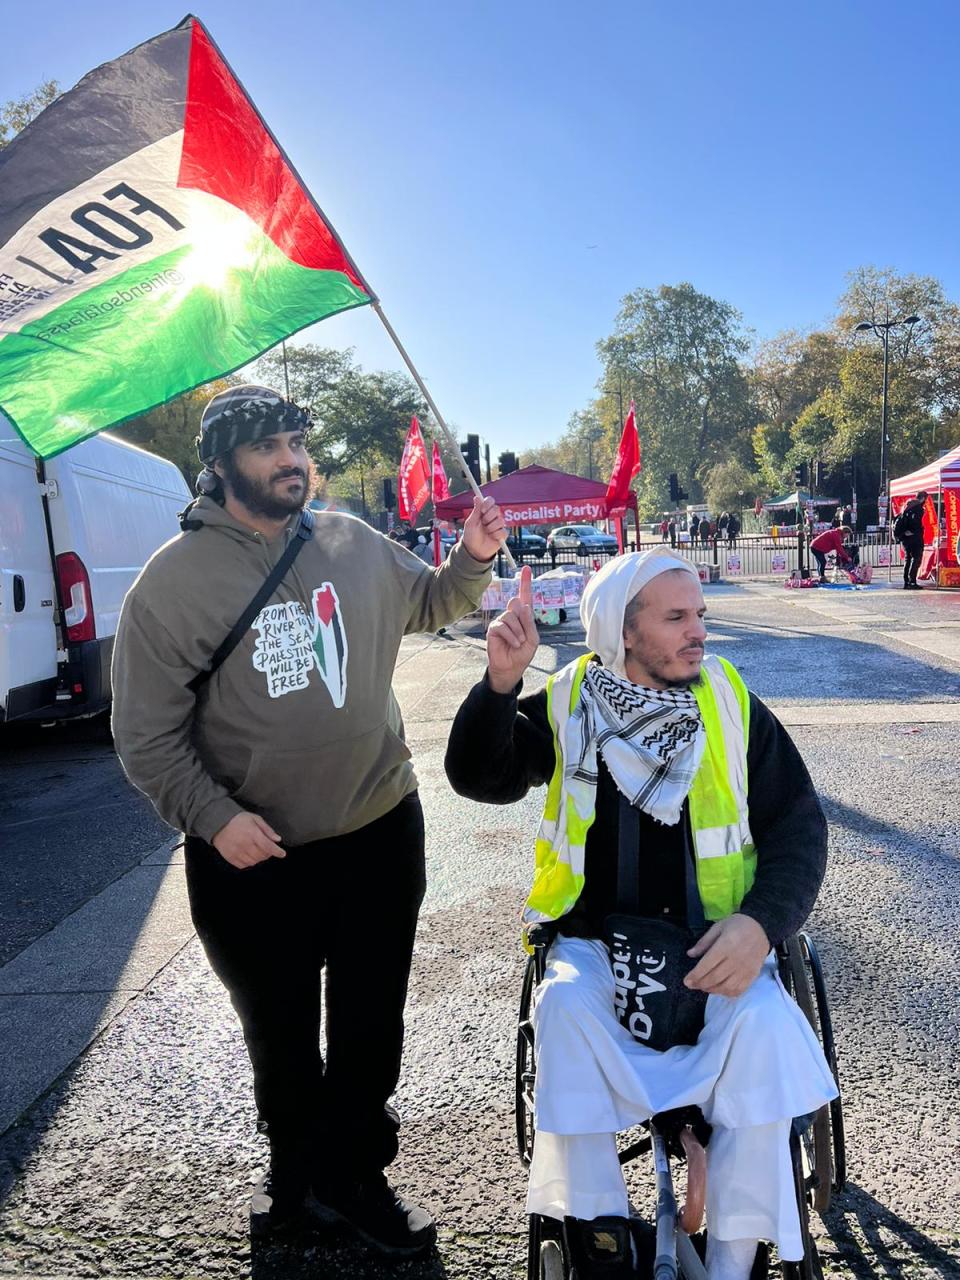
(750, 556)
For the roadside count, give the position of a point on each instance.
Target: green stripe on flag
(130, 344)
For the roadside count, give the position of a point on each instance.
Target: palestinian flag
(153, 236)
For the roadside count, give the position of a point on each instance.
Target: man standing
(646, 731)
(694, 528)
(288, 772)
(908, 531)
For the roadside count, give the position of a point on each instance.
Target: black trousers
(346, 908)
(913, 551)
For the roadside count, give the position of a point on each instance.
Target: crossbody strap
(302, 535)
(628, 866)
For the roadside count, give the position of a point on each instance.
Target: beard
(268, 497)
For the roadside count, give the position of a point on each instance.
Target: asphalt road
(138, 1160)
(69, 825)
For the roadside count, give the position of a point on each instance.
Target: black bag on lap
(648, 956)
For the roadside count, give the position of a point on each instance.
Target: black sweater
(501, 746)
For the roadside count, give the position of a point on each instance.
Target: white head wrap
(608, 593)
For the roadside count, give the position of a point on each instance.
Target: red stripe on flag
(228, 152)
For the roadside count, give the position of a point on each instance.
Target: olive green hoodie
(300, 723)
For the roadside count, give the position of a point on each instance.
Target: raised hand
(483, 530)
(512, 638)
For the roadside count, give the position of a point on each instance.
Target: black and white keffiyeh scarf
(651, 740)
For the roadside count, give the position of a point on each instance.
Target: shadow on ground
(872, 1242)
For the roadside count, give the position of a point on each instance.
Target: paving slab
(939, 640)
(59, 993)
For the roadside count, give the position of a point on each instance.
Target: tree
(18, 112)
(312, 371)
(923, 381)
(677, 353)
(728, 485)
(359, 419)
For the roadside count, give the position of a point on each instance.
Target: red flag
(413, 479)
(626, 465)
(441, 490)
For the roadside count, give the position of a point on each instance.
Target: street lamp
(882, 329)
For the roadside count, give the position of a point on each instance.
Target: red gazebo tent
(538, 495)
(941, 479)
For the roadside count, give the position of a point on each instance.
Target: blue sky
(504, 172)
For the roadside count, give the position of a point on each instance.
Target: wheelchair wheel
(818, 1137)
(815, 970)
(526, 1067)
(545, 1255)
(810, 1268)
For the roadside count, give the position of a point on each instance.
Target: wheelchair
(666, 1251)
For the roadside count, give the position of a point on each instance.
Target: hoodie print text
(290, 645)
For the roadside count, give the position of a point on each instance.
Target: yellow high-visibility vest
(726, 860)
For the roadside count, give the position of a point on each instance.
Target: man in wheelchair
(652, 750)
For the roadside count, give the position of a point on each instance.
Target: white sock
(730, 1259)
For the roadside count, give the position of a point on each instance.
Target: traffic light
(674, 488)
(819, 474)
(848, 469)
(507, 463)
(470, 448)
(389, 497)
(800, 474)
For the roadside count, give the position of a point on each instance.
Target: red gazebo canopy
(538, 495)
(944, 473)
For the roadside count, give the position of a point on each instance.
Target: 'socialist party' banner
(153, 236)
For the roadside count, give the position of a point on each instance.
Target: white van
(74, 533)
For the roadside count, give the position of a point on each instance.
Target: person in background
(831, 540)
(664, 530)
(908, 531)
(704, 532)
(672, 530)
(694, 527)
(733, 528)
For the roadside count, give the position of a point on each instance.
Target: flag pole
(448, 434)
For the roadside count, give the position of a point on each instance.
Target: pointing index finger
(526, 585)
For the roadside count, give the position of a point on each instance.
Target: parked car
(529, 544)
(581, 537)
(447, 536)
(74, 533)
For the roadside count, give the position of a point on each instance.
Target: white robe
(756, 1065)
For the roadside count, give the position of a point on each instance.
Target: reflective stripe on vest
(725, 855)
(558, 876)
